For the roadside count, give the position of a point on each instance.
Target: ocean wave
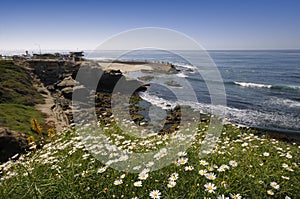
(248, 117)
(181, 75)
(293, 87)
(256, 85)
(253, 85)
(188, 66)
(160, 102)
(280, 102)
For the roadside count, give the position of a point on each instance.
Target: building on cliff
(76, 56)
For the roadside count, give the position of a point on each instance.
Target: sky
(215, 24)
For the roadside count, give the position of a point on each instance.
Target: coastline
(69, 162)
(123, 67)
(120, 68)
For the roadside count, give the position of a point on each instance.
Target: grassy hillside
(17, 98)
(16, 85)
(17, 117)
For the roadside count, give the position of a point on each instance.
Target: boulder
(67, 82)
(172, 83)
(11, 143)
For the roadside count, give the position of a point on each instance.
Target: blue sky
(72, 25)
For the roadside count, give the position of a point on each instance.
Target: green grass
(65, 169)
(16, 85)
(17, 117)
(17, 98)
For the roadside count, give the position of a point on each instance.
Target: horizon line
(73, 50)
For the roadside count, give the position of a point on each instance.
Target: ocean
(262, 87)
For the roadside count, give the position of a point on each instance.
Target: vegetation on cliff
(17, 98)
(17, 117)
(16, 85)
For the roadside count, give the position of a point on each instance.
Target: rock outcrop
(51, 71)
(59, 79)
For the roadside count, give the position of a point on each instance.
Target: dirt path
(54, 112)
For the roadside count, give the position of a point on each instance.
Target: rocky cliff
(59, 78)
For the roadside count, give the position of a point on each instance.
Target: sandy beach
(126, 67)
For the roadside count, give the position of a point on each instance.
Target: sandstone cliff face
(61, 74)
(59, 78)
(50, 72)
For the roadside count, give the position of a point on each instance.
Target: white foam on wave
(253, 85)
(160, 102)
(185, 66)
(250, 117)
(295, 87)
(283, 102)
(238, 116)
(181, 75)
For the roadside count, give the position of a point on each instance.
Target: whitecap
(253, 85)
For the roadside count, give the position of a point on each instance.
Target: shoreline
(129, 66)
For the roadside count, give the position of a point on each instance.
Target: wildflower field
(240, 165)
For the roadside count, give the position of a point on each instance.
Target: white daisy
(288, 155)
(222, 197)
(221, 169)
(210, 168)
(285, 177)
(173, 176)
(266, 154)
(171, 184)
(202, 172)
(284, 165)
(101, 170)
(143, 176)
(188, 168)
(274, 185)
(224, 183)
(182, 160)
(270, 192)
(122, 176)
(233, 163)
(118, 182)
(245, 144)
(236, 196)
(203, 162)
(210, 176)
(210, 187)
(138, 184)
(155, 194)
(181, 153)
